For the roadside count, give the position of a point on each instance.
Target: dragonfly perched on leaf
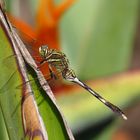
(58, 61)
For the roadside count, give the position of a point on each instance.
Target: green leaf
(51, 116)
(10, 97)
(3, 131)
(98, 36)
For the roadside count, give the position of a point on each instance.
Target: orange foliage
(46, 29)
(48, 16)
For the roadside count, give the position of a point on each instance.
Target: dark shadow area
(94, 130)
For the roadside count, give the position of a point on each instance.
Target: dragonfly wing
(34, 80)
(8, 83)
(8, 61)
(32, 44)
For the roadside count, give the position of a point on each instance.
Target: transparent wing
(11, 74)
(32, 44)
(32, 80)
(8, 83)
(8, 61)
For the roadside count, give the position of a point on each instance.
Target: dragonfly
(60, 62)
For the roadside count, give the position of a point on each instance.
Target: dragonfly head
(43, 51)
(69, 74)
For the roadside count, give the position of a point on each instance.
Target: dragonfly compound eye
(43, 50)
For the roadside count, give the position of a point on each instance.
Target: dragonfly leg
(53, 76)
(44, 60)
(41, 64)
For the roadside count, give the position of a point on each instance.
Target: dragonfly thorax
(43, 51)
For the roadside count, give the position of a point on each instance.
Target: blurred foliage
(121, 90)
(99, 35)
(108, 132)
